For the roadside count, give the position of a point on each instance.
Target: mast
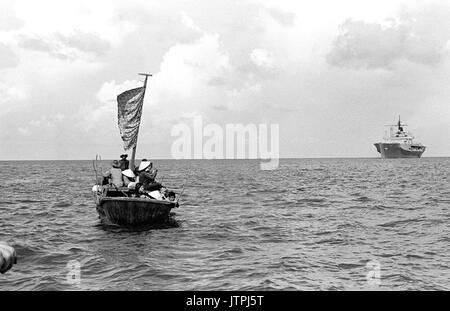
(133, 154)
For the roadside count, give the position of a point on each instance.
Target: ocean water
(311, 224)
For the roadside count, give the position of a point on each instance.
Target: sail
(129, 115)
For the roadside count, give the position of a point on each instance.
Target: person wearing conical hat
(144, 165)
(147, 175)
(137, 167)
(8, 257)
(114, 175)
(129, 178)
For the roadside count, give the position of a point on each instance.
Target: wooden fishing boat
(121, 205)
(117, 206)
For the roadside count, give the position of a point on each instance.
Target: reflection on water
(170, 223)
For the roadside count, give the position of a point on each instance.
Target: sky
(330, 73)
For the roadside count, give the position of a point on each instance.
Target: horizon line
(260, 159)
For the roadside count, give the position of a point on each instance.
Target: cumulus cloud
(186, 67)
(85, 42)
(74, 30)
(202, 75)
(418, 37)
(66, 46)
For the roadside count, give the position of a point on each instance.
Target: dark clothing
(147, 179)
(124, 163)
(136, 170)
(152, 186)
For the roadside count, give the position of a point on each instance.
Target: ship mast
(133, 154)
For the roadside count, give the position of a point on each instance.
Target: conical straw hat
(144, 165)
(129, 173)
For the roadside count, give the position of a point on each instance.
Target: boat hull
(396, 150)
(134, 211)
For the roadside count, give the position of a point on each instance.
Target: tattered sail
(129, 115)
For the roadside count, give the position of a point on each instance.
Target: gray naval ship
(399, 144)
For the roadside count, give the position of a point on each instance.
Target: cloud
(34, 44)
(419, 37)
(70, 46)
(47, 121)
(103, 110)
(282, 17)
(7, 57)
(85, 42)
(185, 67)
(262, 58)
(10, 95)
(72, 30)
(109, 90)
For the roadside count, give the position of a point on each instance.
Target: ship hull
(396, 150)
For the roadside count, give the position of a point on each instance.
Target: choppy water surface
(311, 224)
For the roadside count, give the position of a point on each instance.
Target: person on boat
(124, 163)
(171, 196)
(129, 178)
(114, 175)
(167, 195)
(163, 194)
(136, 169)
(147, 175)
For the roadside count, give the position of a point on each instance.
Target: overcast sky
(331, 73)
